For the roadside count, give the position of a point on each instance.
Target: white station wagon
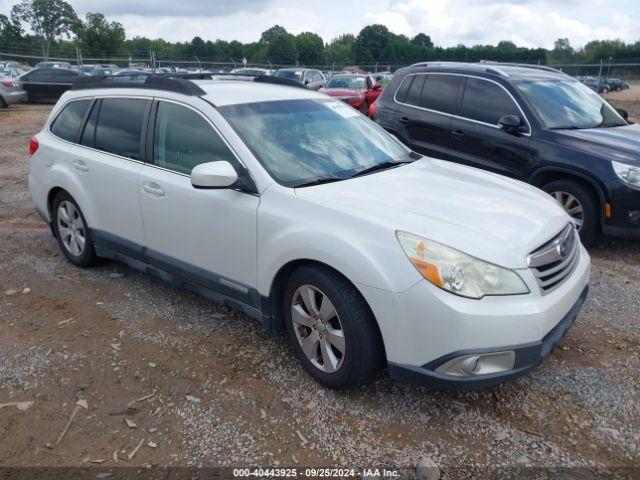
(301, 212)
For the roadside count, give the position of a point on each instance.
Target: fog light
(634, 217)
(478, 364)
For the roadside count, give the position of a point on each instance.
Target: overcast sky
(529, 23)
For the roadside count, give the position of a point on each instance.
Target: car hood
(342, 92)
(616, 143)
(482, 214)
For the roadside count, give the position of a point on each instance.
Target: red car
(359, 91)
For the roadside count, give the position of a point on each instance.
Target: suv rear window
(67, 124)
(486, 102)
(119, 126)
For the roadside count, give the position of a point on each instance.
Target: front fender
(376, 261)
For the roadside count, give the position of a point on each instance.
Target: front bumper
(14, 97)
(527, 357)
(625, 206)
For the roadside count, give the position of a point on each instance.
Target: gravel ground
(205, 386)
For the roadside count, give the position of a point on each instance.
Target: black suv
(531, 123)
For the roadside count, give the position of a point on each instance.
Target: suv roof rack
(478, 66)
(546, 68)
(172, 82)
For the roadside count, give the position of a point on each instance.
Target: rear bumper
(14, 97)
(527, 357)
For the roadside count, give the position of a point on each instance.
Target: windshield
(292, 74)
(300, 141)
(355, 83)
(569, 104)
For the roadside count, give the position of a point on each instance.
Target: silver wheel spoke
(308, 295)
(299, 316)
(309, 345)
(571, 205)
(329, 359)
(63, 214)
(327, 311)
(80, 241)
(336, 338)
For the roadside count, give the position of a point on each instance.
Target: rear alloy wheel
(331, 328)
(580, 204)
(70, 228)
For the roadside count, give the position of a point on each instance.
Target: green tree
(99, 37)
(280, 46)
(422, 40)
(370, 43)
(49, 19)
(310, 48)
(340, 50)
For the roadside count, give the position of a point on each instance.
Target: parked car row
(604, 84)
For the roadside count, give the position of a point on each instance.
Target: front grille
(553, 262)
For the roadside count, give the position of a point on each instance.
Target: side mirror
(510, 123)
(376, 86)
(623, 113)
(214, 175)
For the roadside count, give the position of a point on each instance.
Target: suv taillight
(9, 84)
(33, 145)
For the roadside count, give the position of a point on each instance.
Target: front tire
(331, 328)
(581, 205)
(71, 231)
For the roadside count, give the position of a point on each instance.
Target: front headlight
(627, 173)
(457, 272)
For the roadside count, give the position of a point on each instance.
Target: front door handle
(80, 165)
(153, 188)
(403, 120)
(458, 133)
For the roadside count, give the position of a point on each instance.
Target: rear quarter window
(69, 121)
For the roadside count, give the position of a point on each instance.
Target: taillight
(372, 109)
(33, 145)
(9, 84)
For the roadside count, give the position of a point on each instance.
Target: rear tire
(71, 230)
(570, 194)
(329, 309)
(3, 104)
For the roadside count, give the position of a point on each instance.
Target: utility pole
(600, 73)
(78, 57)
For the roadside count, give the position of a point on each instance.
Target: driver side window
(184, 139)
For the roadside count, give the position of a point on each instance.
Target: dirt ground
(109, 360)
(628, 100)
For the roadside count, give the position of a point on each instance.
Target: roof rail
(143, 80)
(173, 82)
(478, 66)
(546, 68)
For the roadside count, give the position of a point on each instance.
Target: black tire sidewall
(362, 351)
(590, 229)
(88, 256)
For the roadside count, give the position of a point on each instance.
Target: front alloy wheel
(572, 206)
(318, 329)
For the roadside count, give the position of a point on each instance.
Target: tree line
(57, 31)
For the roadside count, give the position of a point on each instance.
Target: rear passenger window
(415, 91)
(404, 88)
(440, 92)
(119, 126)
(486, 102)
(184, 139)
(67, 124)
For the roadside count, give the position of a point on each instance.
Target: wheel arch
(276, 293)
(545, 175)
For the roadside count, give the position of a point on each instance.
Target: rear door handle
(153, 188)
(80, 165)
(458, 133)
(404, 120)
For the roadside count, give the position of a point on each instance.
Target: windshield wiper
(569, 127)
(318, 181)
(380, 166)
